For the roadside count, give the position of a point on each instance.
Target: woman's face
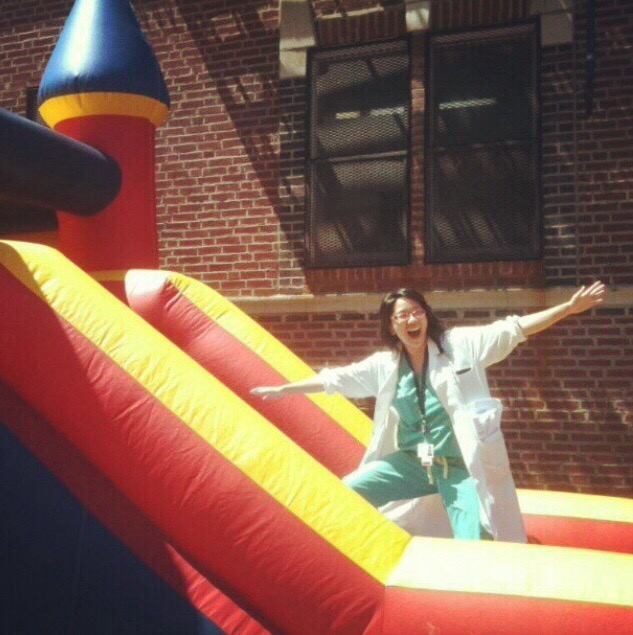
(409, 324)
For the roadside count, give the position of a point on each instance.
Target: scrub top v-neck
(423, 419)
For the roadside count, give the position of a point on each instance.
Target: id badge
(425, 453)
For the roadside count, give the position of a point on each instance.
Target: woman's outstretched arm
(582, 300)
(314, 384)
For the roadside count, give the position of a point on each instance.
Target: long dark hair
(435, 330)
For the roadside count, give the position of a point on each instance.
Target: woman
(436, 427)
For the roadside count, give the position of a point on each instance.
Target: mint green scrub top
(400, 476)
(430, 424)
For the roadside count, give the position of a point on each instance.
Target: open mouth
(414, 333)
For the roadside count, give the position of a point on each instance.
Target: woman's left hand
(587, 298)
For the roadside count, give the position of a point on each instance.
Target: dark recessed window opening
(358, 165)
(482, 156)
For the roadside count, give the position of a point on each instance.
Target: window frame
(401, 258)
(492, 33)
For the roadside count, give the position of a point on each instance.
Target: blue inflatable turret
(102, 65)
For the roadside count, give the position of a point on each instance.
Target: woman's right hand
(268, 392)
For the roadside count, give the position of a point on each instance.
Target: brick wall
(231, 158)
(588, 160)
(567, 392)
(230, 196)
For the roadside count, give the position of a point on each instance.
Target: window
(482, 156)
(358, 166)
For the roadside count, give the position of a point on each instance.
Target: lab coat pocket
(486, 417)
(486, 420)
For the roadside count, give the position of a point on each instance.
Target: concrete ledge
(296, 36)
(556, 20)
(510, 299)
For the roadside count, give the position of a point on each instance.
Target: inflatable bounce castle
(144, 489)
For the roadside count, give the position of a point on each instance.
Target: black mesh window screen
(482, 146)
(358, 163)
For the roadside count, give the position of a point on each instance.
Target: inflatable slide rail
(238, 351)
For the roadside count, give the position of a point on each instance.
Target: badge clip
(426, 453)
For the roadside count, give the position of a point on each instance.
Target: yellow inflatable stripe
(109, 275)
(531, 571)
(586, 506)
(58, 109)
(234, 429)
(238, 324)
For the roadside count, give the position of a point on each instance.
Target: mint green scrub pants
(400, 476)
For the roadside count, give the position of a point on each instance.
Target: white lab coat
(459, 380)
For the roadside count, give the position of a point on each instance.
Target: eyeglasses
(404, 316)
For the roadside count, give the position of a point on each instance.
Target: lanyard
(420, 385)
